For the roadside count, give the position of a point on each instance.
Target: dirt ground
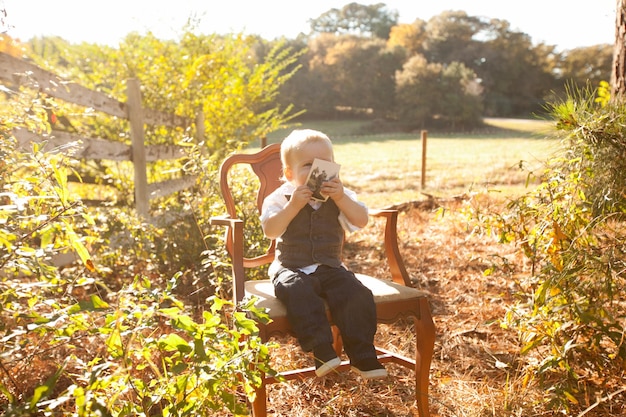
(447, 262)
(475, 364)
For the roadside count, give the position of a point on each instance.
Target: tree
(409, 36)
(416, 89)
(344, 71)
(452, 36)
(515, 74)
(618, 74)
(309, 90)
(8, 45)
(374, 20)
(363, 72)
(313, 88)
(437, 94)
(220, 75)
(461, 104)
(590, 64)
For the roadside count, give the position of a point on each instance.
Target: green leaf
(42, 391)
(245, 323)
(94, 303)
(78, 246)
(6, 238)
(114, 344)
(179, 367)
(217, 304)
(531, 345)
(79, 397)
(7, 393)
(184, 322)
(171, 312)
(199, 351)
(173, 342)
(61, 179)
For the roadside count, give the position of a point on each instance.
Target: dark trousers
(351, 306)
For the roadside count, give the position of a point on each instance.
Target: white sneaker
(370, 369)
(327, 367)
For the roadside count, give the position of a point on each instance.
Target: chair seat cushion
(383, 291)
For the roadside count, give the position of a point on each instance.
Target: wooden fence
(17, 72)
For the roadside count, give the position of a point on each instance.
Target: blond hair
(296, 139)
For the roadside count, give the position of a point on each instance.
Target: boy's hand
(301, 196)
(333, 189)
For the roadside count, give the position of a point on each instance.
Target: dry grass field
(475, 368)
(386, 168)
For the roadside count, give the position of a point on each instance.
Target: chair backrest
(267, 166)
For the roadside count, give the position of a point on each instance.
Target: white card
(321, 171)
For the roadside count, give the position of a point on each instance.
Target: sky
(567, 24)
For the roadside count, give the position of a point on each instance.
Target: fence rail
(18, 72)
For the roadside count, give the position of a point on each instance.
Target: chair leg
(259, 405)
(337, 341)
(425, 344)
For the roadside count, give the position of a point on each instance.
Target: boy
(308, 273)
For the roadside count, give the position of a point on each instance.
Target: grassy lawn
(386, 168)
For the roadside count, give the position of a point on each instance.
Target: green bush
(116, 333)
(571, 314)
(152, 355)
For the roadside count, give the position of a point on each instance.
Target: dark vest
(313, 236)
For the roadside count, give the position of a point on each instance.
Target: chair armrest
(223, 220)
(392, 252)
(234, 245)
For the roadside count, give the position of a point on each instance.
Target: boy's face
(302, 159)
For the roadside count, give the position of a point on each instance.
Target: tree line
(450, 70)
(447, 72)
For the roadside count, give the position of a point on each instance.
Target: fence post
(424, 139)
(135, 116)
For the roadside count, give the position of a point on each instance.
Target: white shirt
(277, 200)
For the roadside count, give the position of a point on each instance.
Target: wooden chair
(394, 298)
